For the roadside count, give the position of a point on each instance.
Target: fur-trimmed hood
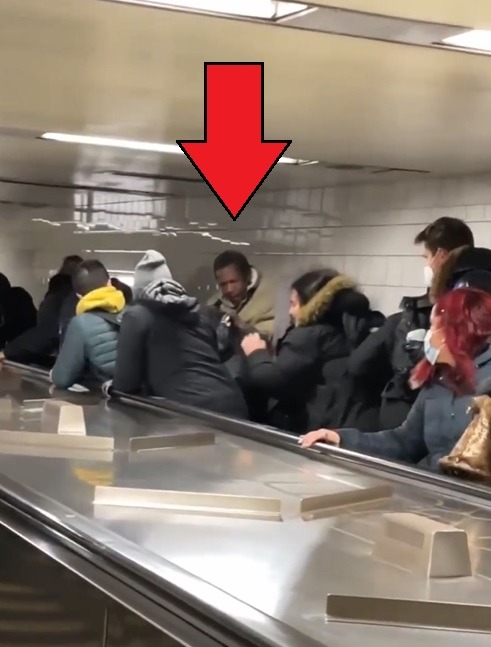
(338, 297)
(470, 266)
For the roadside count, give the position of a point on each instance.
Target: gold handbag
(471, 456)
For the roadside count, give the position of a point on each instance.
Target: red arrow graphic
(234, 159)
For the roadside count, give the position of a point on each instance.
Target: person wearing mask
(457, 359)
(308, 380)
(40, 343)
(397, 347)
(451, 259)
(168, 349)
(88, 351)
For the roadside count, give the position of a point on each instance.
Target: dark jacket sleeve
(67, 312)
(277, 377)
(70, 364)
(375, 352)
(42, 340)
(405, 443)
(130, 371)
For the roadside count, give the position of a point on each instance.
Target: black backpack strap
(113, 318)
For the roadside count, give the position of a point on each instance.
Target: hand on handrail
(320, 435)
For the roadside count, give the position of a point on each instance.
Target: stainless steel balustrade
(307, 528)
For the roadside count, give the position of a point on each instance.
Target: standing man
(244, 304)
(244, 295)
(449, 257)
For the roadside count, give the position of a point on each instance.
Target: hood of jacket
(107, 298)
(470, 266)
(337, 298)
(167, 295)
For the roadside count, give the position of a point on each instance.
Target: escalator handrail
(286, 440)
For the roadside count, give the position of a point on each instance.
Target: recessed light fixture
(131, 144)
(260, 9)
(479, 39)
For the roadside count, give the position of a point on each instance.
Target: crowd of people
(398, 387)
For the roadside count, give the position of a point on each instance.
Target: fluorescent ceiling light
(131, 144)
(260, 9)
(479, 39)
(113, 143)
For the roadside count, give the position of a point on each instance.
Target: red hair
(465, 318)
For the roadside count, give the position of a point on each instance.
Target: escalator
(143, 522)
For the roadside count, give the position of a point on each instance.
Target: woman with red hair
(457, 359)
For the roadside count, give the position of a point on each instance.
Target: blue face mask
(431, 352)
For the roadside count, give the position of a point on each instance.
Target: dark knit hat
(152, 267)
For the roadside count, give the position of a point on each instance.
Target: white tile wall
(365, 231)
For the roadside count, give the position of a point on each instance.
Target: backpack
(113, 318)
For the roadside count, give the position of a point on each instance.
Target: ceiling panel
(475, 14)
(105, 69)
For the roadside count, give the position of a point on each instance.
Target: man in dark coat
(17, 311)
(168, 349)
(40, 343)
(450, 260)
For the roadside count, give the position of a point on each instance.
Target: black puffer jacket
(388, 358)
(463, 267)
(308, 378)
(168, 349)
(40, 343)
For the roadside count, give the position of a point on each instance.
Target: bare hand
(321, 435)
(253, 342)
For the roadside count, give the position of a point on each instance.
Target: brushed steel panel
(410, 613)
(46, 451)
(422, 545)
(205, 503)
(284, 570)
(68, 441)
(169, 441)
(317, 507)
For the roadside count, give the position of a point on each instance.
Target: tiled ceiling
(101, 68)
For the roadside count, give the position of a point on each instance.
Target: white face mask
(428, 276)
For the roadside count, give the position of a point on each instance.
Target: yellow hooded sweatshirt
(107, 298)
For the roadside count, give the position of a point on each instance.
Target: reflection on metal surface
(410, 613)
(317, 507)
(57, 451)
(66, 418)
(424, 546)
(169, 441)
(229, 505)
(67, 441)
(6, 407)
